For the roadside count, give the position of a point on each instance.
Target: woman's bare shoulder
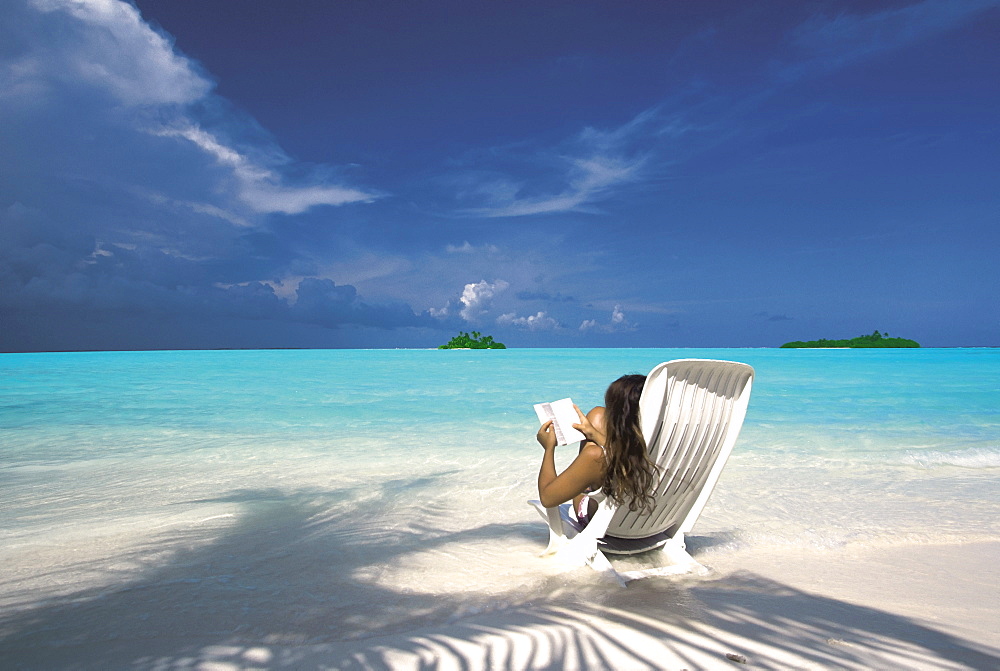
(596, 416)
(592, 452)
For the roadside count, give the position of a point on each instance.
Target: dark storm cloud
(321, 301)
(129, 189)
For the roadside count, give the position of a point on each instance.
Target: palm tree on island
(874, 340)
(475, 340)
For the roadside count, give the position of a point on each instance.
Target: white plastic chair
(691, 411)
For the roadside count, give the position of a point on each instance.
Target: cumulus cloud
(617, 316)
(476, 298)
(473, 303)
(536, 322)
(617, 322)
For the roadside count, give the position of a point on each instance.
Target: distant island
(475, 340)
(874, 340)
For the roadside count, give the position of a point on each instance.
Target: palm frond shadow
(293, 584)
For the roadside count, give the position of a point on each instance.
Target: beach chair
(691, 411)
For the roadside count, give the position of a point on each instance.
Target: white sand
(908, 606)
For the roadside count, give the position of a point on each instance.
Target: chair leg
(675, 553)
(599, 562)
(557, 538)
(675, 560)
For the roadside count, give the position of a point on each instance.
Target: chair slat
(687, 435)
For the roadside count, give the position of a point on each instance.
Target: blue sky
(566, 174)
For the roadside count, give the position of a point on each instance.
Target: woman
(612, 459)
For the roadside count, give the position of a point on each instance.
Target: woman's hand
(546, 435)
(593, 434)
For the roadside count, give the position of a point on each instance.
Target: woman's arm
(585, 471)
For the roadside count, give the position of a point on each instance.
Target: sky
(372, 174)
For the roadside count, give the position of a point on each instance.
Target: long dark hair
(630, 475)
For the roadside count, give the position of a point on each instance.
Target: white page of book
(563, 418)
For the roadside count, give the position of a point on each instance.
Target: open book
(563, 418)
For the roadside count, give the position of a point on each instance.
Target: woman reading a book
(612, 459)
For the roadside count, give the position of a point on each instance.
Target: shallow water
(350, 482)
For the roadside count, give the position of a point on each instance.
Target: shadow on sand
(293, 585)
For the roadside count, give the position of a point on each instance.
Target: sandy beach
(249, 603)
(255, 511)
(916, 608)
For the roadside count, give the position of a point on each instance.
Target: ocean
(384, 489)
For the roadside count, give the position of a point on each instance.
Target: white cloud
(466, 248)
(617, 316)
(265, 197)
(535, 322)
(22, 83)
(614, 140)
(617, 322)
(585, 170)
(212, 210)
(847, 38)
(258, 186)
(476, 298)
(596, 164)
(101, 65)
(242, 167)
(202, 208)
(588, 178)
(118, 51)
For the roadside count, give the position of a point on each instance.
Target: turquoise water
(928, 404)
(121, 465)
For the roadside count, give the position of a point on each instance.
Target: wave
(984, 457)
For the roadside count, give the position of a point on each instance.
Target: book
(563, 418)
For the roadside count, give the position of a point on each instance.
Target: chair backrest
(691, 412)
